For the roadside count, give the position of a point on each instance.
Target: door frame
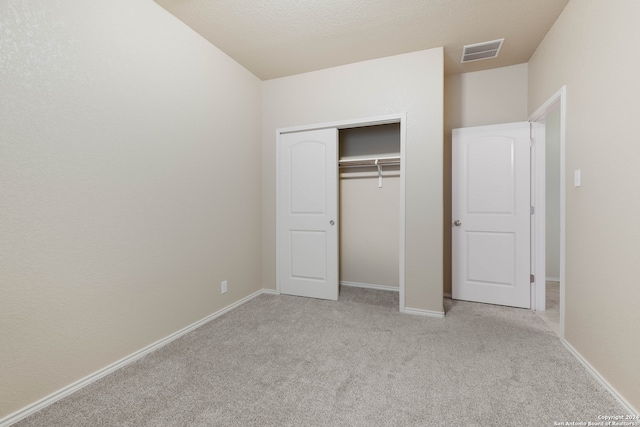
(356, 123)
(557, 102)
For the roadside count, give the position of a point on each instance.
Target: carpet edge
(595, 374)
(95, 376)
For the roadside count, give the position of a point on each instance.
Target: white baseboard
(626, 405)
(71, 388)
(370, 286)
(428, 313)
(552, 279)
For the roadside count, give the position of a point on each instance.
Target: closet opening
(340, 211)
(369, 211)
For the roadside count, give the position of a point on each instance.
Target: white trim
(594, 372)
(370, 286)
(420, 312)
(555, 102)
(73, 387)
(347, 124)
(403, 228)
(549, 105)
(354, 123)
(538, 220)
(277, 211)
(552, 279)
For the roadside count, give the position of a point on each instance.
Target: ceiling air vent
(478, 51)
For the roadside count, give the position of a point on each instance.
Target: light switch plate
(577, 178)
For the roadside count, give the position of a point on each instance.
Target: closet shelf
(376, 162)
(369, 161)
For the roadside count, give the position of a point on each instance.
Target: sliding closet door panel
(308, 214)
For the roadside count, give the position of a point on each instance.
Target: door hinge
(532, 278)
(531, 132)
(533, 210)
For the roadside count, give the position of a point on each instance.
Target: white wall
(411, 83)
(130, 161)
(552, 196)
(476, 99)
(588, 49)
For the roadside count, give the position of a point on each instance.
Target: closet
(339, 208)
(369, 206)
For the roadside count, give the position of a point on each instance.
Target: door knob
(457, 223)
(332, 222)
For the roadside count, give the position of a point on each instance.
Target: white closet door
(491, 214)
(307, 222)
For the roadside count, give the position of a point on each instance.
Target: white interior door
(307, 239)
(491, 214)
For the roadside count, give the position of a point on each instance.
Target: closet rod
(369, 162)
(370, 165)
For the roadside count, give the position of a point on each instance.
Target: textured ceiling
(276, 38)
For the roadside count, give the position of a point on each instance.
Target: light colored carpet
(551, 315)
(288, 361)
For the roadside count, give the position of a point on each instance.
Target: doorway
(369, 207)
(548, 118)
(491, 214)
(548, 229)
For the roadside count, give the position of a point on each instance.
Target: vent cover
(478, 51)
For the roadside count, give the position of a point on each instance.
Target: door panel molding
(308, 214)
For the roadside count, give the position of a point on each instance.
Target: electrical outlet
(223, 287)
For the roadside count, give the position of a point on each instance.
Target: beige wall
(476, 99)
(130, 160)
(369, 230)
(589, 49)
(411, 83)
(129, 146)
